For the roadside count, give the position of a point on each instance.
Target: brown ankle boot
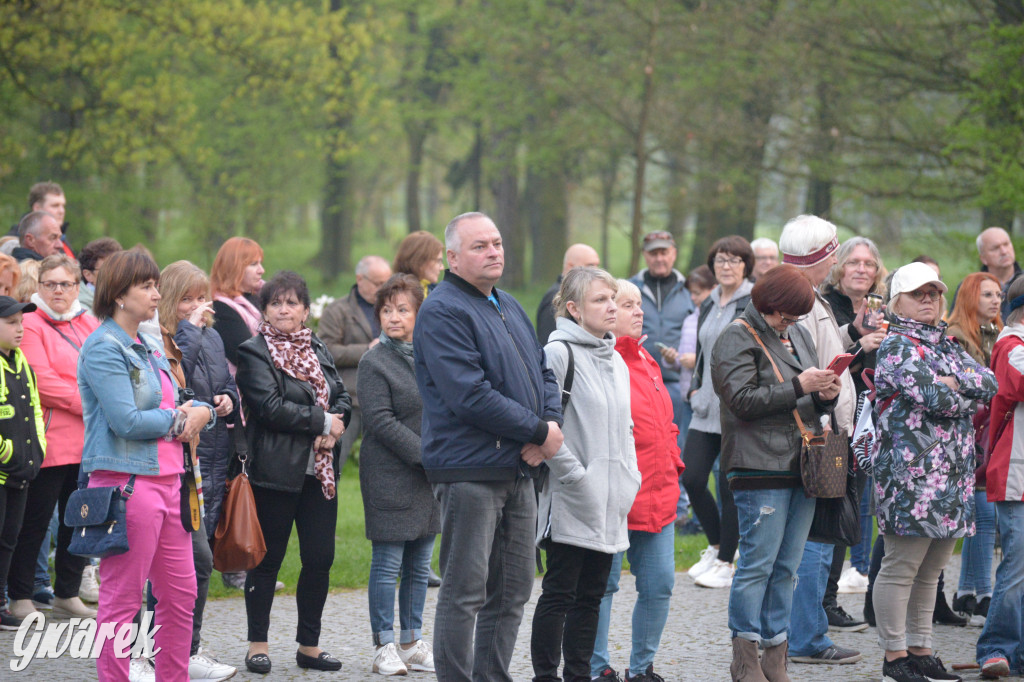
(745, 667)
(773, 663)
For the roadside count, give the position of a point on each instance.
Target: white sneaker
(707, 559)
(90, 588)
(203, 667)
(853, 581)
(387, 662)
(141, 670)
(419, 657)
(720, 575)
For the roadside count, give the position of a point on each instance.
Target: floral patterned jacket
(923, 452)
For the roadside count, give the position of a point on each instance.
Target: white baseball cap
(912, 277)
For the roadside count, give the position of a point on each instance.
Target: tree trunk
(997, 216)
(546, 201)
(416, 137)
(676, 197)
(640, 149)
(609, 179)
(336, 221)
(823, 153)
(505, 188)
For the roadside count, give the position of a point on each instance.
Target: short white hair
(806, 234)
(452, 239)
(981, 236)
(367, 262)
(627, 288)
(764, 243)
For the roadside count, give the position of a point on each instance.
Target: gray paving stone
(695, 646)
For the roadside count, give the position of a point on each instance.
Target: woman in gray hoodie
(581, 518)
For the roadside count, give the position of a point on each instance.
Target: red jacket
(1005, 476)
(55, 362)
(657, 449)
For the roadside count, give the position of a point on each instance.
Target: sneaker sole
(847, 589)
(1001, 669)
(394, 674)
(860, 627)
(712, 587)
(829, 661)
(211, 679)
(419, 668)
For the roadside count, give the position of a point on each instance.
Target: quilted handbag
(96, 517)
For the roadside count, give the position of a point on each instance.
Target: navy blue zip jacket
(485, 387)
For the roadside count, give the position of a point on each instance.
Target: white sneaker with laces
(420, 657)
(707, 560)
(853, 581)
(387, 662)
(720, 575)
(90, 588)
(141, 670)
(203, 667)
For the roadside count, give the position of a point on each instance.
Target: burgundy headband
(814, 256)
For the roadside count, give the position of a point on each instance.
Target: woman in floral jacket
(928, 390)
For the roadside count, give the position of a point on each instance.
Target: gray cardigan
(398, 502)
(594, 475)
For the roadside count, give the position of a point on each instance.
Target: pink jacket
(55, 362)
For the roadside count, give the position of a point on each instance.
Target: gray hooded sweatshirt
(594, 475)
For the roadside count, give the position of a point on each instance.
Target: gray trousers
(487, 571)
(904, 592)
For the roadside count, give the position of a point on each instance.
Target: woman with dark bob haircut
(402, 515)
(760, 459)
(298, 409)
(133, 437)
(730, 260)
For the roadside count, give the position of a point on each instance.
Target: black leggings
(699, 456)
(315, 519)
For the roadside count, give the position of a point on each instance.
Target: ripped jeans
(773, 529)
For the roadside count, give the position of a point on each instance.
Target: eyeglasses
(919, 295)
(857, 264)
(790, 321)
(731, 262)
(63, 286)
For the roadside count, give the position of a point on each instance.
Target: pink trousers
(160, 550)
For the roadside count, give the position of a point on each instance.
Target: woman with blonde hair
(421, 254)
(9, 275)
(28, 280)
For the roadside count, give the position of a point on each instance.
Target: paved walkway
(695, 646)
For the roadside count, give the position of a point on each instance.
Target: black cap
(9, 306)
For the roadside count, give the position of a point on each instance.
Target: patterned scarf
(293, 354)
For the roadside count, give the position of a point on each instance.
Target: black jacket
(283, 417)
(206, 373)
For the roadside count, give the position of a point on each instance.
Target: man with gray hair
(576, 256)
(995, 251)
(39, 234)
(810, 243)
(349, 328)
(491, 414)
(766, 256)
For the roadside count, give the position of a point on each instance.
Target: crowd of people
(568, 446)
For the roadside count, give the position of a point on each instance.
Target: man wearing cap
(666, 303)
(576, 256)
(810, 243)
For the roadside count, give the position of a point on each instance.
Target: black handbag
(837, 520)
(96, 517)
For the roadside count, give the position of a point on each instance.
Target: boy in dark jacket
(22, 438)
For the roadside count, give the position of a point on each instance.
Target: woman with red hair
(235, 281)
(975, 322)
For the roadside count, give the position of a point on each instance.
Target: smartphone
(872, 312)
(841, 362)
(660, 345)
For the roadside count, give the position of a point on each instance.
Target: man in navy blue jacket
(491, 414)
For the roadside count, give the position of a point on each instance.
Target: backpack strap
(570, 372)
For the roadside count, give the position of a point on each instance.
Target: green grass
(351, 569)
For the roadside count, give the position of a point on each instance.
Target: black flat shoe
(258, 663)
(322, 662)
(433, 579)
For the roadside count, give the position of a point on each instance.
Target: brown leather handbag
(823, 458)
(238, 541)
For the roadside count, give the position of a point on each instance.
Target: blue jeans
(487, 570)
(411, 559)
(809, 624)
(773, 529)
(652, 560)
(1004, 627)
(683, 414)
(976, 567)
(42, 577)
(860, 554)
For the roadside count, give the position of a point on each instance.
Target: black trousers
(565, 620)
(699, 455)
(839, 556)
(12, 511)
(51, 487)
(315, 519)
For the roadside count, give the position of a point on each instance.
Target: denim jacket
(121, 397)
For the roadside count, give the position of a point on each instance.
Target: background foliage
(327, 129)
